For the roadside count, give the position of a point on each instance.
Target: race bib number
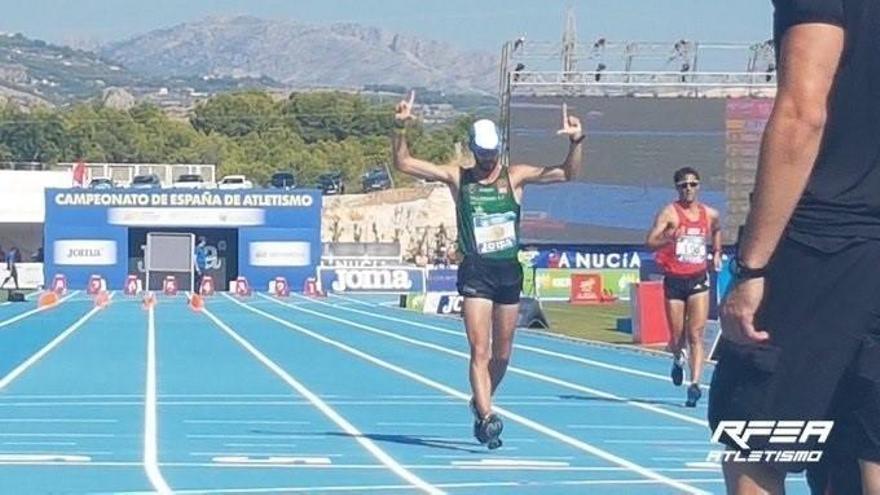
(691, 249)
(495, 233)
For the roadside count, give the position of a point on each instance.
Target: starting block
(169, 286)
(242, 287)
(149, 300)
(96, 285)
(59, 284)
(49, 298)
(196, 302)
(102, 299)
(310, 288)
(133, 285)
(206, 287)
(279, 287)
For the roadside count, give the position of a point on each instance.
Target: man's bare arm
(662, 233)
(401, 157)
(810, 55)
(422, 169)
(523, 174)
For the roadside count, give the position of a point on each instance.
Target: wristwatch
(742, 272)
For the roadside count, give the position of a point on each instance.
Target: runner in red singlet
(679, 239)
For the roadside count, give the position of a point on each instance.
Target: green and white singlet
(488, 217)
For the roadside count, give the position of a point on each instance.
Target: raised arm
(404, 161)
(523, 174)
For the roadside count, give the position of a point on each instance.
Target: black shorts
(681, 288)
(822, 362)
(499, 281)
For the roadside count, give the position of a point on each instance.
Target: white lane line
(707, 443)
(56, 420)
(60, 435)
(258, 437)
(325, 409)
(244, 422)
(511, 463)
(451, 486)
(54, 444)
(14, 458)
(21, 368)
(282, 445)
(417, 424)
(531, 457)
(274, 459)
(151, 422)
(295, 455)
(578, 444)
(628, 427)
(512, 369)
(533, 349)
(34, 311)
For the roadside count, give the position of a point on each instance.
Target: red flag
(79, 173)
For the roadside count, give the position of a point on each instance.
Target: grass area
(594, 322)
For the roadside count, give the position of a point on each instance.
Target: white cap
(484, 135)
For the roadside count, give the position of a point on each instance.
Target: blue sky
(475, 24)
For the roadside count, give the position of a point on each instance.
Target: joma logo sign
(372, 279)
(84, 253)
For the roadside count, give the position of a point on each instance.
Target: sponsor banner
(555, 284)
(450, 304)
(586, 288)
(165, 199)
(444, 303)
(585, 259)
(186, 217)
(280, 253)
(359, 261)
(84, 252)
(392, 280)
(443, 280)
(30, 275)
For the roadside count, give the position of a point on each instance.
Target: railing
(617, 83)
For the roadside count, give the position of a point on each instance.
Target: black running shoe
(472, 405)
(490, 431)
(694, 394)
(677, 372)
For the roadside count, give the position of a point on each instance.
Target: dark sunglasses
(691, 185)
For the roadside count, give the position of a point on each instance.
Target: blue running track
(338, 395)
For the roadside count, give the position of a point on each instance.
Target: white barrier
(30, 275)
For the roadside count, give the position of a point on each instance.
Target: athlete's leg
(753, 479)
(675, 313)
(870, 477)
(504, 318)
(695, 328)
(477, 323)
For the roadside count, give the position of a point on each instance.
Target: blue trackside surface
(346, 394)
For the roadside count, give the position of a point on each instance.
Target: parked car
(102, 183)
(331, 183)
(192, 181)
(376, 179)
(235, 182)
(282, 180)
(148, 181)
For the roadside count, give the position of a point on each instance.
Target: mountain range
(226, 53)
